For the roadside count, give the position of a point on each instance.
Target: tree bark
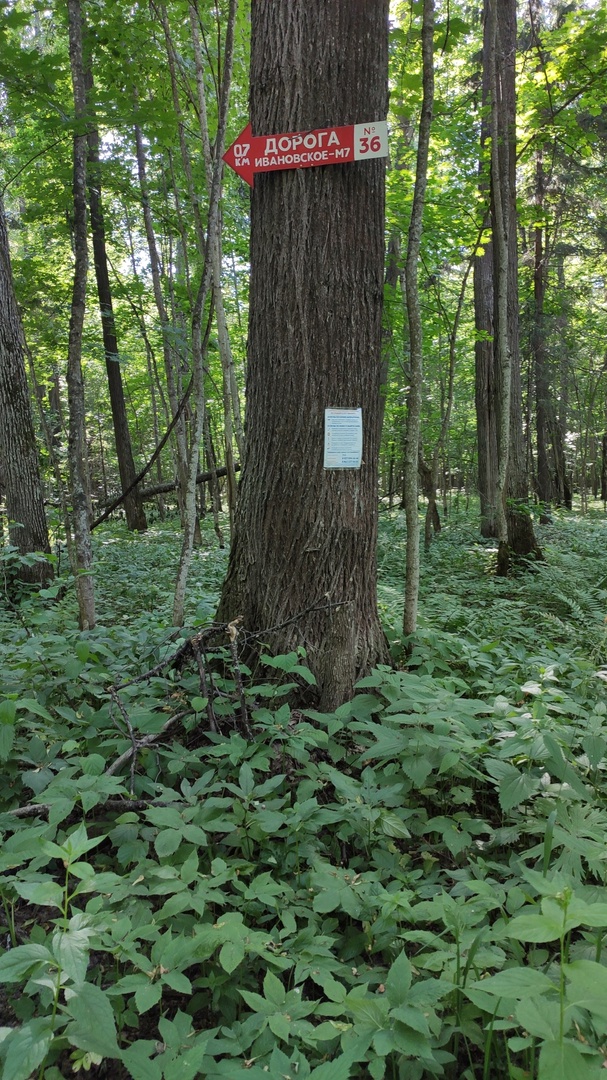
(521, 536)
(169, 358)
(500, 221)
(198, 347)
(503, 479)
(414, 323)
(303, 563)
(135, 514)
(484, 366)
(21, 481)
(77, 447)
(540, 360)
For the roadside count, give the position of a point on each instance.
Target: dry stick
(32, 809)
(204, 690)
(131, 733)
(232, 632)
(147, 740)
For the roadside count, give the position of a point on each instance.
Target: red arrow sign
(251, 154)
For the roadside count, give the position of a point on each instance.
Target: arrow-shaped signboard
(251, 154)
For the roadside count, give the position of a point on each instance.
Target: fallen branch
(32, 809)
(164, 489)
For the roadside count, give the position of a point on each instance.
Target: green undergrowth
(198, 880)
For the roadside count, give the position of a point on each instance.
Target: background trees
(152, 99)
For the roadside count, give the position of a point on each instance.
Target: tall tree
(18, 450)
(414, 320)
(303, 566)
(77, 445)
(133, 506)
(502, 470)
(521, 535)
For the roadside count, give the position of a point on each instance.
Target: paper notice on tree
(343, 438)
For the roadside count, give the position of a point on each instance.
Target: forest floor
(199, 881)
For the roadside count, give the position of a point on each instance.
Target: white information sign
(343, 438)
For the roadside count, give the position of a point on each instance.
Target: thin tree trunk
(503, 358)
(414, 400)
(213, 225)
(135, 514)
(540, 360)
(521, 536)
(169, 365)
(233, 430)
(484, 305)
(77, 446)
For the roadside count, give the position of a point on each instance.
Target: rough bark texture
(18, 450)
(303, 556)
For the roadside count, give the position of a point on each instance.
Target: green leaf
(398, 980)
(78, 842)
(516, 982)
(7, 739)
(280, 1025)
(34, 706)
(44, 893)
(587, 987)
(71, 949)
(534, 928)
(563, 1061)
(167, 842)
(274, 991)
(27, 1048)
(17, 962)
(393, 825)
(338, 1069)
(246, 779)
(8, 710)
(539, 1016)
(147, 996)
(367, 1010)
(515, 786)
(137, 1060)
(93, 1027)
(231, 955)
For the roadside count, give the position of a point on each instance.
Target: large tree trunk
(303, 563)
(18, 451)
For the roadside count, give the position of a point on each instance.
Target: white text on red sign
(302, 149)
